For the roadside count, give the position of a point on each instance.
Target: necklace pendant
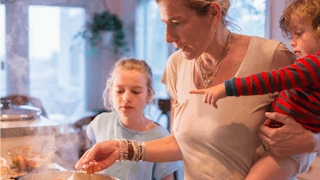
(207, 82)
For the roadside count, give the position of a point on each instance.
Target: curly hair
(309, 9)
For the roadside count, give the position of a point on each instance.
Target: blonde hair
(309, 9)
(202, 8)
(128, 65)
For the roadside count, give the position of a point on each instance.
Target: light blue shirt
(107, 126)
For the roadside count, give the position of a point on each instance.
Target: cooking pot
(65, 175)
(11, 112)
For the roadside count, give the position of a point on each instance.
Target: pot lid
(18, 113)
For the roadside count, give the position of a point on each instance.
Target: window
(150, 43)
(249, 15)
(3, 71)
(57, 59)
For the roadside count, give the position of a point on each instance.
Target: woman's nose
(170, 37)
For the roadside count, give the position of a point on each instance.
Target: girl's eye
(119, 91)
(135, 92)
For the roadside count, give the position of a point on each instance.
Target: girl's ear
(215, 13)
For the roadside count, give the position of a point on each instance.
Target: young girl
(128, 90)
(298, 84)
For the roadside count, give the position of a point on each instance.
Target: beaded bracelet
(127, 152)
(145, 150)
(135, 151)
(130, 151)
(121, 151)
(139, 151)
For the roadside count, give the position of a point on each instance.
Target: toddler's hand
(212, 94)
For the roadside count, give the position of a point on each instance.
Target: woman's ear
(215, 13)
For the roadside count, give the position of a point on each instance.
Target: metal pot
(11, 112)
(65, 175)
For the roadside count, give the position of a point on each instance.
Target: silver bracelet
(121, 151)
(145, 151)
(142, 151)
(134, 149)
(127, 152)
(139, 150)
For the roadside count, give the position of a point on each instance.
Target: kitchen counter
(34, 131)
(39, 126)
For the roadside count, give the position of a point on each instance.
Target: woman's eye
(119, 91)
(135, 92)
(177, 23)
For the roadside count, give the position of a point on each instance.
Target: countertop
(56, 125)
(39, 126)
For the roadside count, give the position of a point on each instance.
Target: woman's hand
(289, 139)
(102, 155)
(212, 94)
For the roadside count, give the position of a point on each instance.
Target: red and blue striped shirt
(298, 85)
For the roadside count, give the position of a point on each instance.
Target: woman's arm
(163, 150)
(172, 115)
(270, 167)
(107, 152)
(159, 151)
(290, 139)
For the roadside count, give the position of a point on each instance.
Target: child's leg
(271, 167)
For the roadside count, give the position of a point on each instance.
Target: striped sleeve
(304, 72)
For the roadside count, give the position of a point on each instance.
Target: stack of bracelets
(135, 150)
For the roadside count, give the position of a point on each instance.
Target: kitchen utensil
(72, 176)
(44, 144)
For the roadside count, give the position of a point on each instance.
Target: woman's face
(303, 41)
(129, 93)
(189, 32)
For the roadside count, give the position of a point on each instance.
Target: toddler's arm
(212, 94)
(304, 72)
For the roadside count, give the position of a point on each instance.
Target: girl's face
(189, 32)
(303, 41)
(129, 93)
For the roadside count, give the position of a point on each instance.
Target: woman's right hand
(290, 139)
(103, 154)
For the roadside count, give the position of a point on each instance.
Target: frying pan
(65, 175)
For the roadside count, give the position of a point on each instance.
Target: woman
(213, 143)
